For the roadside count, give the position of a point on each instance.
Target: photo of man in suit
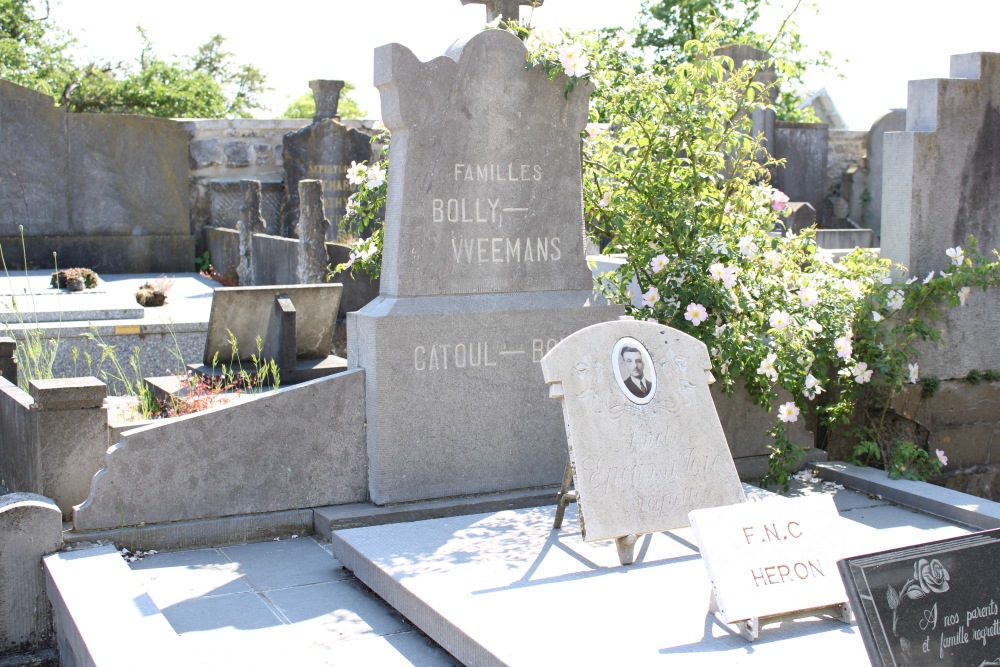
(636, 381)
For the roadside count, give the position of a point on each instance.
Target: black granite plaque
(931, 604)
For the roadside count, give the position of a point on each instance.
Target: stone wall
(301, 446)
(80, 188)
(846, 148)
(224, 152)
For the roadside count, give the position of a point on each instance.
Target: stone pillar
(8, 360)
(763, 120)
(251, 222)
(312, 229)
(30, 528)
(326, 94)
(72, 430)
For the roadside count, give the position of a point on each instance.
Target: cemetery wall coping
(104, 615)
(948, 504)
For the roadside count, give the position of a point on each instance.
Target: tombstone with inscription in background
(929, 604)
(483, 271)
(322, 151)
(645, 443)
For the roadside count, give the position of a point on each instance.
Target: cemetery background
(214, 502)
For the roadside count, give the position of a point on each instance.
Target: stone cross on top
(509, 9)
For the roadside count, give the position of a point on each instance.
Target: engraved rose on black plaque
(929, 576)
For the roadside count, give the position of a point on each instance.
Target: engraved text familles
(477, 223)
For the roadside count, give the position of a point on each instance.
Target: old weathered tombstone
(645, 443)
(292, 323)
(251, 222)
(929, 604)
(763, 119)
(322, 151)
(772, 560)
(941, 183)
(894, 121)
(313, 227)
(483, 271)
(30, 527)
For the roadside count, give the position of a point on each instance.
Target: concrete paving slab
(338, 611)
(496, 588)
(264, 565)
(337, 622)
(235, 612)
(171, 578)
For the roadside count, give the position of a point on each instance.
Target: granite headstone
(322, 151)
(933, 604)
(941, 183)
(483, 271)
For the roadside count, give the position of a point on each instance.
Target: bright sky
(879, 44)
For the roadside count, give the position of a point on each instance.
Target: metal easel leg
(565, 496)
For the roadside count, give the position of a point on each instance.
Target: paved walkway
(280, 602)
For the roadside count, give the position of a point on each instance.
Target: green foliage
(36, 351)
(929, 386)
(304, 106)
(676, 184)
(665, 26)
(909, 461)
(32, 52)
(365, 213)
(209, 84)
(203, 263)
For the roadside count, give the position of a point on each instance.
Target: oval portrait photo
(634, 370)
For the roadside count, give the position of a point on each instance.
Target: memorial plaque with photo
(634, 370)
(645, 442)
(930, 604)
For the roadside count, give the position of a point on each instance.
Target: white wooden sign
(771, 557)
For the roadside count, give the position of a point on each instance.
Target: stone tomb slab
(246, 312)
(456, 401)
(505, 589)
(645, 442)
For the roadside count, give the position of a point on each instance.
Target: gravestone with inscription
(322, 151)
(770, 559)
(932, 604)
(646, 445)
(483, 272)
